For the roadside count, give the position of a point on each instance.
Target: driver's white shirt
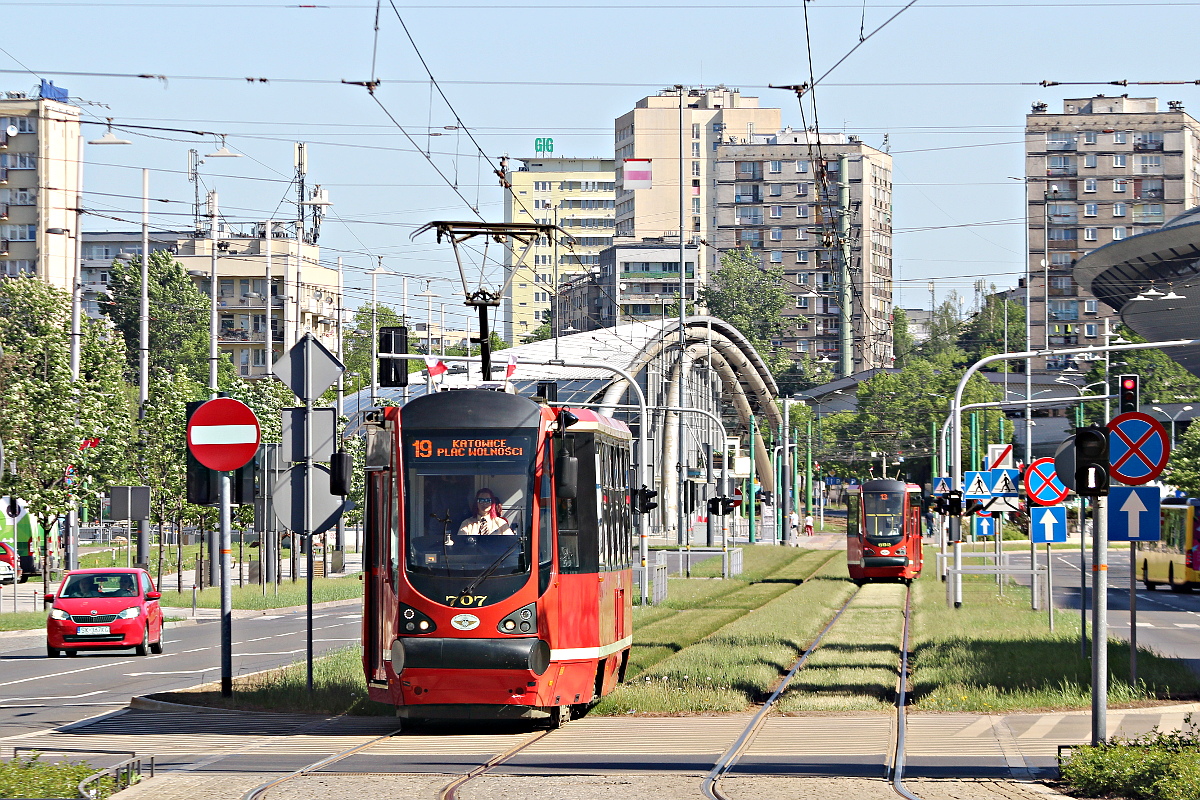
(483, 525)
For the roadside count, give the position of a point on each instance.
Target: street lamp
(1173, 417)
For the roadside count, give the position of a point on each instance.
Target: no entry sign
(223, 434)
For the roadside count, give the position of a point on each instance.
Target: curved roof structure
(722, 370)
(1167, 258)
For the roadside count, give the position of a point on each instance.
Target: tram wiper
(446, 520)
(469, 591)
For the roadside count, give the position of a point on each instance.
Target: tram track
(728, 760)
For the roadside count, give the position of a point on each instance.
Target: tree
(1183, 470)
(750, 296)
(944, 326)
(539, 334)
(985, 333)
(179, 316)
(903, 345)
(1163, 380)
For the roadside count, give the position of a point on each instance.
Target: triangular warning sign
(978, 486)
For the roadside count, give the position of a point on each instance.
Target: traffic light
(1091, 460)
(938, 505)
(954, 504)
(242, 485)
(202, 487)
(340, 468)
(714, 507)
(643, 500)
(728, 504)
(393, 372)
(1127, 391)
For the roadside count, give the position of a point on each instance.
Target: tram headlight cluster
(521, 621)
(413, 621)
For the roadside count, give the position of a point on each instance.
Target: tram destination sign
(468, 446)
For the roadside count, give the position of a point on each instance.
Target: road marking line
(68, 672)
(1042, 726)
(1186, 625)
(976, 728)
(58, 697)
(259, 639)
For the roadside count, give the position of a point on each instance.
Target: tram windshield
(883, 514)
(467, 505)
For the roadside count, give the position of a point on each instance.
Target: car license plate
(92, 630)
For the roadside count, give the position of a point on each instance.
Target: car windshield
(882, 514)
(467, 505)
(100, 585)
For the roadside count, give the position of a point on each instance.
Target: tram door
(377, 633)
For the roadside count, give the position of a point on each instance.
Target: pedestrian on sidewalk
(793, 524)
(808, 525)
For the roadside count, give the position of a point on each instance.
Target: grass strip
(29, 776)
(23, 620)
(857, 665)
(251, 597)
(1154, 766)
(994, 654)
(339, 687)
(738, 664)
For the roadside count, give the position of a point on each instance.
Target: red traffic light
(1129, 383)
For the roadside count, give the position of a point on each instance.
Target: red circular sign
(1138, 448)
(1042, 483)
(737, 497)
(223, 434)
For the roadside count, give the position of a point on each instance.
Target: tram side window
(852, 515)
(568, 518)
(545, 529)
(393, 539)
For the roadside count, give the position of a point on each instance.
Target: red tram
(883, 532)
(499, 557)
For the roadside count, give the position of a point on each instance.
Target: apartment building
(1102, 170)
(40, 182)
(777, 194)
(633, 283)
(99, 249)
(578, 195)
(681, 126)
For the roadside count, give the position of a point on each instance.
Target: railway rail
(724, 765)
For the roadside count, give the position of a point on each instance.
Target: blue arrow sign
(977, 486)
(1004, 483)
(984, 526)
(1048, 524)
(941, 485)
(1133, 514)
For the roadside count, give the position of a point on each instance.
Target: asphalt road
(38, 693)
(1167, 622)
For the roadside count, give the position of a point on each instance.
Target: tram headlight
(413, 621)
(523, 620)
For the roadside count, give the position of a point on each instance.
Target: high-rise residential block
(577, 195)
(1103, 169)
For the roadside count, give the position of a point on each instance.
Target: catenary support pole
(1100, 621)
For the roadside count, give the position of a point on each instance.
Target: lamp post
(1173, 417)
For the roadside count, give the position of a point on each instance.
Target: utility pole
(143, 543)
(845, 297)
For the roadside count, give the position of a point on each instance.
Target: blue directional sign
(1133, 514)
(941, 485)
(1048, 524)
(1005, 483)
(984, 526)
(977, 486)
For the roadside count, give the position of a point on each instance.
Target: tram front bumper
(477, 654)
(885, 561)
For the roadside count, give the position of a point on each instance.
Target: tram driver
(486, 520)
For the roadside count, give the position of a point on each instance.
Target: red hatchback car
(103, 609)
(8, 555)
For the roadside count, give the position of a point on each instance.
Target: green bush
(1155, 766)
(28, 776)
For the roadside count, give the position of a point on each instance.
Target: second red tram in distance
(883, 532)
(499, 557)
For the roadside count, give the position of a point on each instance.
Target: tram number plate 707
(466, 600)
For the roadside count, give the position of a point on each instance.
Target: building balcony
(1062, 172)
(1143, 218)
(1063, 219)
(1148, 147)
(747, 198)
(3, 175)
(1064, 244)
(3, 210)
(241, 335)
(1060, 146)
(3, 247)
(1149, 194)
(1071, 292)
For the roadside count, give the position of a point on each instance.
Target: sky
(947, 83)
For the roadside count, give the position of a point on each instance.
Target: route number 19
(422, 448)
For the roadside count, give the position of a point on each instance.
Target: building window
(19, 233)
(801, 166)
(1091, 209)
(802, 212)
(1062, 234)
(1119, 185)
(695, 130)
(1056, 140)
(1089, 160)
(1150, 165)
(718, 127)
(776, 167)
(802, 303)
(802, 234)
(776, 212)
(1089, 234)
(801, 190)
(1089, 306)
(1118, 233)
(695, 149)
(696, 168)
(1120, 137)
(1089, 184)
(1118, 209)
(1090, 330)
(776, 234)
(775, 190)
(1119, 160)
(801, 256)
(19, 161)
(776, 256)
(1089, 137)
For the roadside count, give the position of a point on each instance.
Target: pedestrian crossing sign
(1004, 483)
(977, 486)
(941, 486)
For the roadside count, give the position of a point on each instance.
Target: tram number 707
(466, 600)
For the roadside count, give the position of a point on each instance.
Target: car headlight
(58, 613)
(129, 613)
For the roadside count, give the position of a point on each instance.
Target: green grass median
(251, 596)
(23, 620)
